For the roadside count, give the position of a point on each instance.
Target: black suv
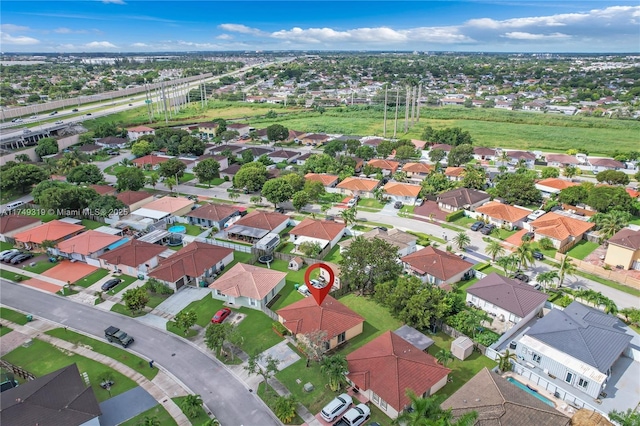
(537, 255)
(521, 277)
(398, 205)
(108, 285)
(486, 229)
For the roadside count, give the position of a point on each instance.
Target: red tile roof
(103, 189)
(437, 263)
(53, 231)
(191, 260)
(402, 189)
(359, 184)
(140, 129)
(16, 221)
(134, 253)
(326, 180)
(556, 183)
(454, 171)
(261, 220)
(384, 164)
(320, 229)
(417, 168)
(250, 281)
(150, 159)
(88, 242)
(306, 315)
(560, 227)
(169, 204)
(389, 365)
(504, 212)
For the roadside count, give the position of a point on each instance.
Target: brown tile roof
(306, 315)
(191, 260)
(417, 168)
(510, 295)
(384, 164)
(359, 184)
(562, 159)
(443, 146)
(517, 155)
(283, 154)
(402, 189)
(627, 238)
(462, 197)
(112, 140)
(606, 162)
(560, 227)
(418, 143)
(303, 157)
(395, 237)
(454, 171)
(504, 212)
(12, 222)
(209, 125)
(250, 281)
(215, 212)
(316, 137)
(326, 180)
(169, 204)
(320, 229)
(389, 365)
(132, 197)
(237, 126)
(556, 183)
(150, 159)
(262, 220)
(134, 253)
(484, 151)
(89, 148)
(437, 263)
(87, 242)
(103, 189)
(52, 231)
(499, 402)
(373, 142)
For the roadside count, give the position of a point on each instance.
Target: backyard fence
(16, 370)
(613, 275)
(450, 331)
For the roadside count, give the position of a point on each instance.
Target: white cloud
(224, 37)
(239, 28)
(518, 35)
(113, 2)
(101, 45)
(63, 30)
(18, 40)
(139, 45)
(13, 28)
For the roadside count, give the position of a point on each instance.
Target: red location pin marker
(319, 293)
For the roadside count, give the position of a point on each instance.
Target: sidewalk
(162, 388)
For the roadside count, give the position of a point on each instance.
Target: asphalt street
(226, 396)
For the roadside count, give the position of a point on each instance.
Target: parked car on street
(352, 202)
(337, 406)
(3, 253)
(114, 334)
(521, 277)
(221, 315)
(537, 255)
(108, 285)
(477, 225)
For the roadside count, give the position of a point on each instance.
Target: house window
(253, 302)
(569, 378)
(383, 404)
(536, 358)
(218, 293)
(583, 383)
(342, 337)
(375, 397)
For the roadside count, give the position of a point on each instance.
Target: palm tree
(190, 405)
(524, 254)
(334, 368)
(149, 421)
(570, 171)
(233, 195)
(349, 215)
(152, 179)
(504, 360)
(610, 306)
(170, 182)
(625, 418)
(508, 263)
(566, 268)
(444, 356)
(427, 411)
(494, 249)
(610, 223)
(546, 278)
(285, 408)
(461, 240)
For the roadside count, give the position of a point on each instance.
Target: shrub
(454, 216)
(18, 278)
(546, 243)
(280, 328)
(487, 337)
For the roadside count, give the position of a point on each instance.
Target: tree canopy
(47, 146)
(85, 173)
(251, 176)
(130, 179)
(452, 136)
(277, 191)
(516, 188)
(206, 170)
(172, 168)
(21, 177)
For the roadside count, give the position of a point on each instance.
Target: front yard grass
(371, 203)
(12, 276)
(121, 355)
(464, 221)
(123, 310)
(92, 278)
(91, 224)
(5, 330)
(270, 397)
(201, 416)
(158, 412)
(41, 358)
(204, 308)
(13, 316)
(298, 371)
(127, 280)
(582, 249)
(5, 246)
(40, 267)
(256, 331)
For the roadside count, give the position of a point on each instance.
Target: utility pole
(418, 102)
(395, 123)
(384, 122)
(406, 109)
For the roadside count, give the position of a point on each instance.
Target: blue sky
(480, 26)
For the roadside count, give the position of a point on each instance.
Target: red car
(221, 315)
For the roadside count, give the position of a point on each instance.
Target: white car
(356, 416)
(58, 122)
(352, 202)
(337, 406)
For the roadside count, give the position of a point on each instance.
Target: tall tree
(460, 154)
(547, 278)
(474, 177)
(566, 268)
(215, 336)
(613, 177)
(504, 360)
(349, 215)
(516, 188)
(254, 367)
(299, 200)
(314, 188)
(85, 173)
(461, 240)
(384, 149)
(172, 168)
(191, 404)
(21, 177)
(334, 367)
(141, 148)
(186, 319)
(428, 412)
(524, 253)
(135, 299)
(494, 249)
(610, 223)
(277, 132)
(251, 176)
(46, 146)
(277, 191)
(207, 170)
(130, 179)
(443, 356)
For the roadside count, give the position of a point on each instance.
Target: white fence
(227, 244)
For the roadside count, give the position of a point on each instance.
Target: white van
(14, 205)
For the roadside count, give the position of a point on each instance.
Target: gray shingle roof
(462, 197)
(510, 295)
(584, 333)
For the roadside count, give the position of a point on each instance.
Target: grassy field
(582, 249)
(12, 276)
(92, 224)
(92, 278)
(158, 412)
(288, 295)
(41, 358)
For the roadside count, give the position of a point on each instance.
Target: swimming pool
(177, 229)
(534, 393)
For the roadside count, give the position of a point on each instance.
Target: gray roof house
(508, 301)
(462, 198)
(584, 355)
(403, 241)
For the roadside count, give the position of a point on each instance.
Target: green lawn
(635, 220)
(256, 331)
(115, 352)
(123, 310)
(91, 224)
(298, 371)
(158, 412)
(503, 234)
(5, 246)
(92, 278)
(5, 330)
(377, 321)
(12, 276)
(465, 222)
(127, 280)
(41, 358)
(582, 249)
(288, 295)
(193, 229)
(199, 419)
(171, 326)
(270, 397)
(238, 257)
(204, 308)
(213, 182)
(40, 267)
(13, 316)
(371, 203)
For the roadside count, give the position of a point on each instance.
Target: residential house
(135, 199)
(62, 397)
(528, 158)
(462, 198)
(455, 174)
(324, 232)
(444, 147)
(328, 181)
(372, 142)
(296, 263)
(242, 129)
(222, 149)
(221, 159)
(134, 258)
(255, 151)
(55, 231)
(362, 187)
(388, 167)
(332, 317)
(192, 264)
(169, 206)
(213, 215)
(248, 285)
(134, 133)
(561, 160)
(553, 186)
(112, 142)
(417, 171)
(283, 155)
(623, 249)
(564, 231)
(303, 158)
(418, 144)
(295, 136)
(602, 164)
(150, 162)
(12, 224)
(582, 354)
(209, 129)
(507, 300)
(436, 266)
(499, 402)
(89, 149)
(230, 171)
(503, 215)
(87, 246)
(103, 190)
(386, 367)
(404, 192)
(256, 225)
(403, 241)
(484, 154)
(314, 139)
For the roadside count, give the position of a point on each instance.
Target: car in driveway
(538, 255)
(4, 253)
(477, 225)
(21, 258)
(398, 205)
(220, 316)
(352, 202)
(487, 229)
(355, 416)
(419, 202)
(521, 277)
(527, 236)
(336, 407)
(7, 258)
(108, 285)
